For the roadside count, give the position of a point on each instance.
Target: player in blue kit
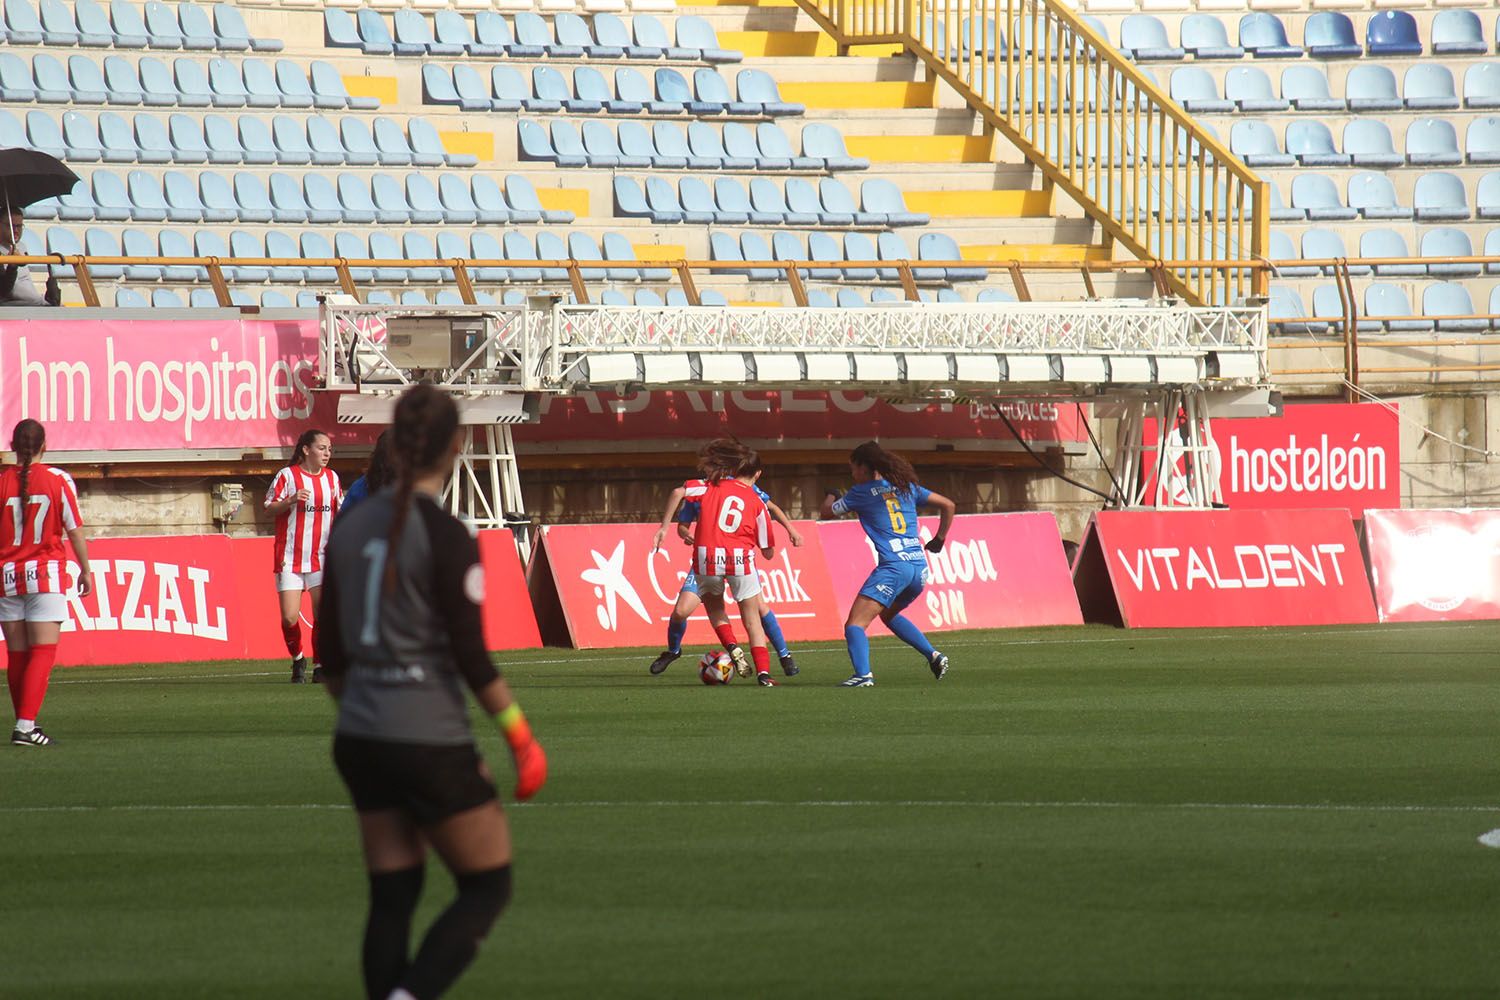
(885, 496)
(685, 512)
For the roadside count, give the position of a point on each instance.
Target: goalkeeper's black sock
(393, 900)
(453, 940)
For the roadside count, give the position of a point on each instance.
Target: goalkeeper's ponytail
(425, 422)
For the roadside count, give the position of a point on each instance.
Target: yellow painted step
(922, 148)
(988, 204)
(882, 94)
(382, 88)
(740, 3)
(1034, 251)
(480, 144)
(660, 251)
(575, 200)
(796, 43)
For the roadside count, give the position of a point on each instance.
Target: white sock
(25, 725)
(401, 995)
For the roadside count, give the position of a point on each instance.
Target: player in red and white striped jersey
(304, 496)
(733, 522)
(38, 509)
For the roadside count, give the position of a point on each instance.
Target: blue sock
(675, 631)
(859, 648)
(774, 637)
(902, 628)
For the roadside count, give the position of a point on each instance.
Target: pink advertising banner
(1434, 565)
(995, 571)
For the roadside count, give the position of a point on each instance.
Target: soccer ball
(716, 668)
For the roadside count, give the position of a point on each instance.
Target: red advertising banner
(804, 416)
(616, 591)
(1339, 455)
(184, 598)
(1434, 565)
(995, 571)
(1178, 569)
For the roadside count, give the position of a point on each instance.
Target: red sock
(15, 669)
(292, 634)
(34, 684)
(725, 633)
(762, 657)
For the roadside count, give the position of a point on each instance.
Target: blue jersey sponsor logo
(889, 517)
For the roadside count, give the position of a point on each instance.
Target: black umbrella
(28, 175)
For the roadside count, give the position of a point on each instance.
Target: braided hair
(887, 465)
(425, 422)
(27, 441)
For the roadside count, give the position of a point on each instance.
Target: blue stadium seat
(287, 201)
(65, 242)
(1306, 89)
(391, 144)
(340, 30)
(324, 146)
(218, 197)
(1482, 141)
(94, 29)
(1429, 87)
(1432, 142)
(390, 200)
(733, 201)
(292, 82)
(697, 36)
(1440, 197)
(1316, 195)
(488, 198)
(233, 35)
(941, 246)
(51, 84)
(1330, 35)
(522, 198)
(121, 81)
(374, 37)
(1371, 87)
(469, 90)
(1482, 86)
(383, 246)
(103, 243)
(1457, 32)
(172, 243)
(328, 89)
(290, 139)
(1492, 249)
(492, 35)
(180, 192)
(838, 207)
(1444, 243)
(740, 146)
(197, 27)
(661, 201)
(672, 94)
(226, 84)
(13, 133)
(111, 202)
(706, 150)
(129, 298)
(127, 26)
(753, 247)
(193, 90)
(1368, 143)
(86, 80)
(1384, 301)
(417, 246)
(1284, 307)
(1264, 37)
(574, 40)
(785, 246)
(452, 33)
(1144, 38)
(618, 250)
(1205, 36)
(590, 85)
(550, 85)
(755, 86)
(1312, 144)
(1376, 244)
(153, 144)
(260, 84)
(824, 142)
(44, 134)
(1194, 89)
(533, 37)
(250, 194)
(1326, 244)
(162, 29)
(414, 36)
(534, 143)
(1253, 141)
(882, 197)
(255, 141)
(651, 41)
(244, 245)
(672, 150)
(632, 89)
(1250, 89)
(1392, 33)
(1449, 301)
(359, 146)
(80, 136)
(776, 148)
(1373, 197)
(768, 205)
(209, 243)
(1283, 251)
(57, 24)
(724, 247)
(698, 205)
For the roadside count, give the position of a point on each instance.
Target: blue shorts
(895, 584)
(689, 584)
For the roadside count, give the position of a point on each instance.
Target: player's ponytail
(723, 458)
(425, 422)
(887, 465)
(27, 441)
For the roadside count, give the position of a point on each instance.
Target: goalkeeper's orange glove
(525, 751)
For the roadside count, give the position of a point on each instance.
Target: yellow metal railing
(1092, 122)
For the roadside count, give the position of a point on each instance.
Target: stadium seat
(492, 35)
(162, 29)
(261, 88)
(1388, 244)
(1392, 33)
(1249, 88)
(533, 37)
(290, 139)
(250, 194)
(1429, 87)
(824, 142)
(111, 203)
(51, 85)
(126, 25)
(218, 197)
(1368, 143)
(618, 250)
(1482, 141)
(1440, 197)
(44, 134)
(776, 150)
(1456, 32)
(1312, 145)
(371, 33)
(1316, 195)
(650, 38)
(172, 243)
(574, 40)
(292, 83)
(1318, 244)
(103, 243)
(64, 242)
(754, 86)
(1388, 305)
(1495, 305)
(129, 298)
(491, 203)
(198, 34)
(1444, 243)
(229, 25)
(1205, 36)
(356, 142)
(87, 81)
(1492, 249)
(226, 84)
(1482, 86)
(192, 85)
(80, 137)
(941, 246)
(57, 24)
(256, 145)
(1264, 37)
(1285, 307)
(1373, 197)
(697, 37)
(1371, 87)
(287, 201)
(1330, 35)
(1432, 142)
(883, 197)
(1144, 38)
(1194, 89)
(94, 29)
(1253, 141)
(391, 145)
(147, 204)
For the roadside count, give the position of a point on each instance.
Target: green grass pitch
(1071, 813)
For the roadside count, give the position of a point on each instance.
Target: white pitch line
(1329, 807)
